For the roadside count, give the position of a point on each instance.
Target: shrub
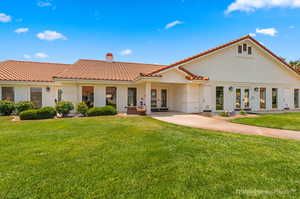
(64, 107)
(100, 111)
(109, 110)
(224, 114)
(38, 114)
(23, 106)
(28, 115)
(96, 111)
(242, 112)
(82, 108)
(46, 113)
(6, 107)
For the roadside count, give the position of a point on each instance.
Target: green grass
(288, 121)
(139, 157)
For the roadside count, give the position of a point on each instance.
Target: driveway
(198, 121)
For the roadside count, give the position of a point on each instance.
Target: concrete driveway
(198, 121)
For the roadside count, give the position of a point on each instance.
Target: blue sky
(148, 31)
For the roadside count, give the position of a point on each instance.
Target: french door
(242, 98)
(154, 98)
(159, 98)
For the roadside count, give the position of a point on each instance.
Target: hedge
(46, 113)
(28, 115)
(38, 114)
(23, 106)
(100, 111)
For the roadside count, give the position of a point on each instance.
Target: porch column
(148, 97)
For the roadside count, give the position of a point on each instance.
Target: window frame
(134, 99)
(113, 97)
(265, 98)
(90, 98)
(12, 96)
(296, 102)
(240, 49)
(245, 47)
(219, 102)
(40, 90)
(276, 104)
(249, 50)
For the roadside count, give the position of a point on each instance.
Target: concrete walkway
(198, 121)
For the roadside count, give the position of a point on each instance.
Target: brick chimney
(109, 57)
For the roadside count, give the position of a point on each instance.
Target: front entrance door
(242, 98)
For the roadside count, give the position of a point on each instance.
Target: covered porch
(173, 97)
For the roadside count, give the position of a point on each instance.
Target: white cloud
(41, 55)
(267, 31)
(252, 5)
(27, 56)
(50, 35)
(44, 4)
(5, 18)
(21, 30)
(126, 52)
(291, 27)
(252, 34)
(172, 24)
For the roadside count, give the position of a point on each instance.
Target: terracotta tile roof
(221, 47)
(192, 76)
(103, 70)
(29, 71)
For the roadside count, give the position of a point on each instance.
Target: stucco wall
(226, 65)
(22, 93)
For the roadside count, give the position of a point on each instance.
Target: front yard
(139, 157)
(288, 121)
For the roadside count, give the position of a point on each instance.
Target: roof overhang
(7, 82)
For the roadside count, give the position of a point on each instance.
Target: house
(241, 74)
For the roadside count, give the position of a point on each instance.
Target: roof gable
(216, 49)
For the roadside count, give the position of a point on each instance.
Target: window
(111, 96)
(36, 97)
(244, 47)
(274, 98)
(132, 97)
(8, 94)
(88, 95)
(240, 50)
(262, 98)
(238, 98)
(59, 94)
(249, 50)
(164, 98)
(296, 98)
(219, 98)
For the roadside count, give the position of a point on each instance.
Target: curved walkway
(198, 121)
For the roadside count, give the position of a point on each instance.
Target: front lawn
(139, 157)
(288, 121)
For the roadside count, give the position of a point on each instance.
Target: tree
(295, 63)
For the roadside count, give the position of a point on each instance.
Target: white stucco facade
(244, 82)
